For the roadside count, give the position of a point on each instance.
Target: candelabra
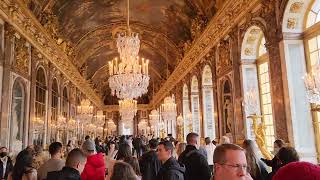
(312, 83)
(180, 128)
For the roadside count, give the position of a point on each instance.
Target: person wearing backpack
(196, 164)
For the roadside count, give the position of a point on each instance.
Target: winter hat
(298, 171)
(88, 145)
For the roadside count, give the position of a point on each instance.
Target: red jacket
(95, 168)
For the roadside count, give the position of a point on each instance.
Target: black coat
(149, 165)
(66, 173)
(9, 168)
(171, 170)
(196, 164)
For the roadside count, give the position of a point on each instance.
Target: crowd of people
(149, 158)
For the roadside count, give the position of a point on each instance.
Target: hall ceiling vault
(87, 30)
(79, 37)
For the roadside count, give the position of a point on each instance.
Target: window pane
(312, 44)
(314, 58)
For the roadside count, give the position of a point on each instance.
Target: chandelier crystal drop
(312, 83)
(127, 109)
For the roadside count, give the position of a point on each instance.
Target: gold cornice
(18, 15)
(219, 26)
(111, 108)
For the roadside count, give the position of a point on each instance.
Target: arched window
(195, 105)
(17, 117)
(207, 98)
(54, 108)
(186, 111)
(312, 42)
(313, 15)
(256, 78)
(65, 103)
(40, 106)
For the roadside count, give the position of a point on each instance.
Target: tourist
(225, 140)
(124, 151)
(22, 169)
(133, 161)
(230, 163)
(55, 163)
(298, 171)
(258, 169)
(285, 156)
(87, 137)
(171, 169)
(209, 147)
(123, 171)
(39, 157)
(175, 149)
(196, 164)
(181, 148)
(75, 163)
(149, 162)
(99, 147)
(69, 146)
(137, 145)
(113, 150)
(95, 166)
(274, 163)
(5, 163)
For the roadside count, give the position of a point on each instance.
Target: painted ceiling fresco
(91, 27)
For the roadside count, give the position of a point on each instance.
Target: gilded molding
(111, 108)
(220, 25)
(16, 13)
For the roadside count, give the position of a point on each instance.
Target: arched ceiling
(91, 26)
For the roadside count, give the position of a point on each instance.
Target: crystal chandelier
(62, 121)
(38, 121)
(312, 83)
(168, 108)
(129, 77)
(85, 107)
(251, 102)
(129, 80)
(72, 124)
(100, 118)
(154, 118)
(127, 109)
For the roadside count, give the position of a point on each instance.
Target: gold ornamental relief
(224, 62)
(21, 61)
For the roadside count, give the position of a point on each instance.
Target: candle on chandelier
(110, 68)
(142, 63)
(147, 67)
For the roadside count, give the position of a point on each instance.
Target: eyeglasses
(238, 167)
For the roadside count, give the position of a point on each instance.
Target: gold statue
(259, 131)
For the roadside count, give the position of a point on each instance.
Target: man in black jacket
(170, 169)
(6, 165)
(75, 163)
(196, 164)
(149, 162)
